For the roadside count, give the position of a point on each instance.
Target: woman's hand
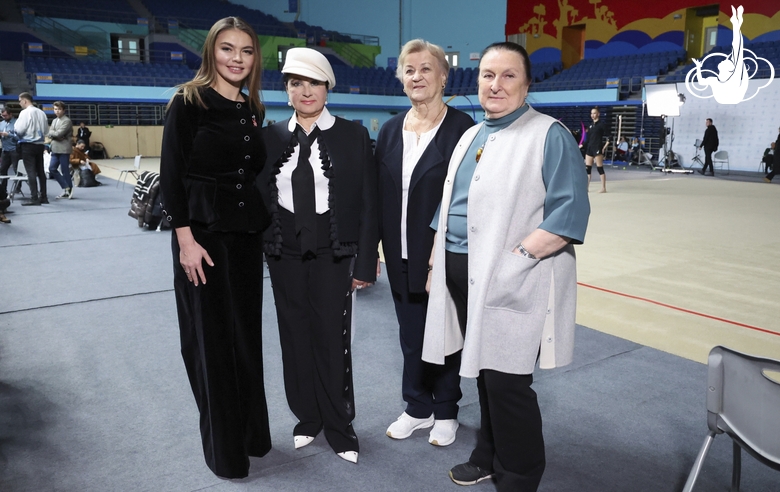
(430, 266)
(359, 284)
(192, 255)
(541, 243)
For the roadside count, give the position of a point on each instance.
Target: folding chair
(135, 171)
(743, 400)
(720, 159)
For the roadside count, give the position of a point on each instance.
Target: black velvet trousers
(314, 310)
(509, 441)
(221, 344)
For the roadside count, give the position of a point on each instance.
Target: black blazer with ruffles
(425, 191)
(352, 194)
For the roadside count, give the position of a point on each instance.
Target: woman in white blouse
(412, 153)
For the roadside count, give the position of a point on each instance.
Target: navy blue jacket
(425, 192)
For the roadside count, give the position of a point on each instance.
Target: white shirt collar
(324, 122)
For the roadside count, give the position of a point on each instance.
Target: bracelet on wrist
(525, 252)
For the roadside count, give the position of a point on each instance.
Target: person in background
(60, 133)
(320, 187)
(710, 144)
(83, 133)
(594, 148)
(633, 152)
(412, 153)
(769, 156)
(503, 283)
(775, 161)
(31, 128)
(212, 152)
(8, 160)
(84, 170)
(621, 152)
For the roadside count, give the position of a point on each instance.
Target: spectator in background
(710, 144)
(633, 152)
(83, 133)
(769, 156)
(31, 127)
(9, 159)
(621, 152)
(775, 161)
(60, 133)
(84, 170)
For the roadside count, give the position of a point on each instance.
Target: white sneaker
(443, 432)
(301, 441)
(405, 425)
(350, 456)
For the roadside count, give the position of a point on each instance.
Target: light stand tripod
(670, 160)
(696, 159)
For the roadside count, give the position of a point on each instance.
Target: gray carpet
(94, 396)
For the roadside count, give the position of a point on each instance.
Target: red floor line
(696, 313)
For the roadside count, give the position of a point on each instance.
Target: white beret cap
(309, 63)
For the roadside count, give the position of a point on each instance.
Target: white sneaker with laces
(443, 432)
(406, 424)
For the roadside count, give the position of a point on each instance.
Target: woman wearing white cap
(320, 187)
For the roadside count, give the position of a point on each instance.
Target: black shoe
(711, 174)
(44, 200)
(700, 171)
(32, 202)
(469, 474)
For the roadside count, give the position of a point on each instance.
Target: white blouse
(284, 178)
(413, 150)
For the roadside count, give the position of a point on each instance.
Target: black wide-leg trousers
(510, 440)
(428, 389)
(221, 344)
(314, 310)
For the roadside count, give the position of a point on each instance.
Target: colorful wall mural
(570, 30)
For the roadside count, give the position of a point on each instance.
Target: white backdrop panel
(744, 129)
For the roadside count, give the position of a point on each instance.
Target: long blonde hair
(207, 73)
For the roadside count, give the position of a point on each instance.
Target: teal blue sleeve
(435, 221)
(566, 206)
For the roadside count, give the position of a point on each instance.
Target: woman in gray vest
(503, 280)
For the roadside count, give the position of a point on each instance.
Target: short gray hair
(416, 46)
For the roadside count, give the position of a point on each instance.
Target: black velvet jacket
(209, 164)
(352, 195)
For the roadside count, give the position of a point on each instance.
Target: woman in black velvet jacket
(212, 152)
